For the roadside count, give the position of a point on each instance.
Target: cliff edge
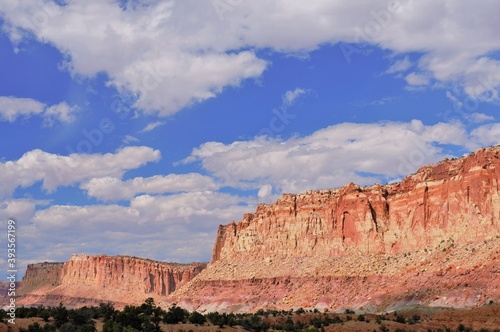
(431, 239)
(90, 280)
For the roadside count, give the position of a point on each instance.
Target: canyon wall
(87, 280)
(431, 239)
(456, 199)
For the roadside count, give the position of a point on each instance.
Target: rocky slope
(432, 238)
(87, 280)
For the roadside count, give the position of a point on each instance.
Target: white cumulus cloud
(173, 54)
(330, 157)
(12, 108)
(61, 112)
(114, 189)
(55, 170)
(179, 227)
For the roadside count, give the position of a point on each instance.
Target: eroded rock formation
(85, 280)
(456, 199)
(407, 242)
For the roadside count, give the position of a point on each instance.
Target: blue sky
(137, 127)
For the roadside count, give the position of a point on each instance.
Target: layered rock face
(87, 280)
(128, 273)
(42, 274)
(303, 247)
(456, 199)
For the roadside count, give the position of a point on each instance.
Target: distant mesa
(432, 239)
(90, 280)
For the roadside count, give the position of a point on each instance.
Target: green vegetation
(149, 317)
(64, 320)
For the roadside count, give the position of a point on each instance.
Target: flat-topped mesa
(456, 199)
(87, 280)
(47, 273)
(128, 273)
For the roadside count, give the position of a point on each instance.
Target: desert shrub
(254, 323)
(106, 310)
(219, 319)
(69, 327)
(383, 328)
(129, 317)
(196, 318)
(300, 311)
(44, 314)
(175, 315)
(414, 319)
(60, 314)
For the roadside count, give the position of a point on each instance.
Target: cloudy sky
(136, 127)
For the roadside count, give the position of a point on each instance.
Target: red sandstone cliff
(389, 240)
(455, 198)
(87, 280)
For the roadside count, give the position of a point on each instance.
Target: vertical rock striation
(87, 280)
(456, 199)
(433, 239)
(128, 274)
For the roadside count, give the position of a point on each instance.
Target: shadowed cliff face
(42, 274)
(86, 280)
(456, 199)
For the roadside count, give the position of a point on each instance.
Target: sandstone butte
(90, 280)
(432, 239)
